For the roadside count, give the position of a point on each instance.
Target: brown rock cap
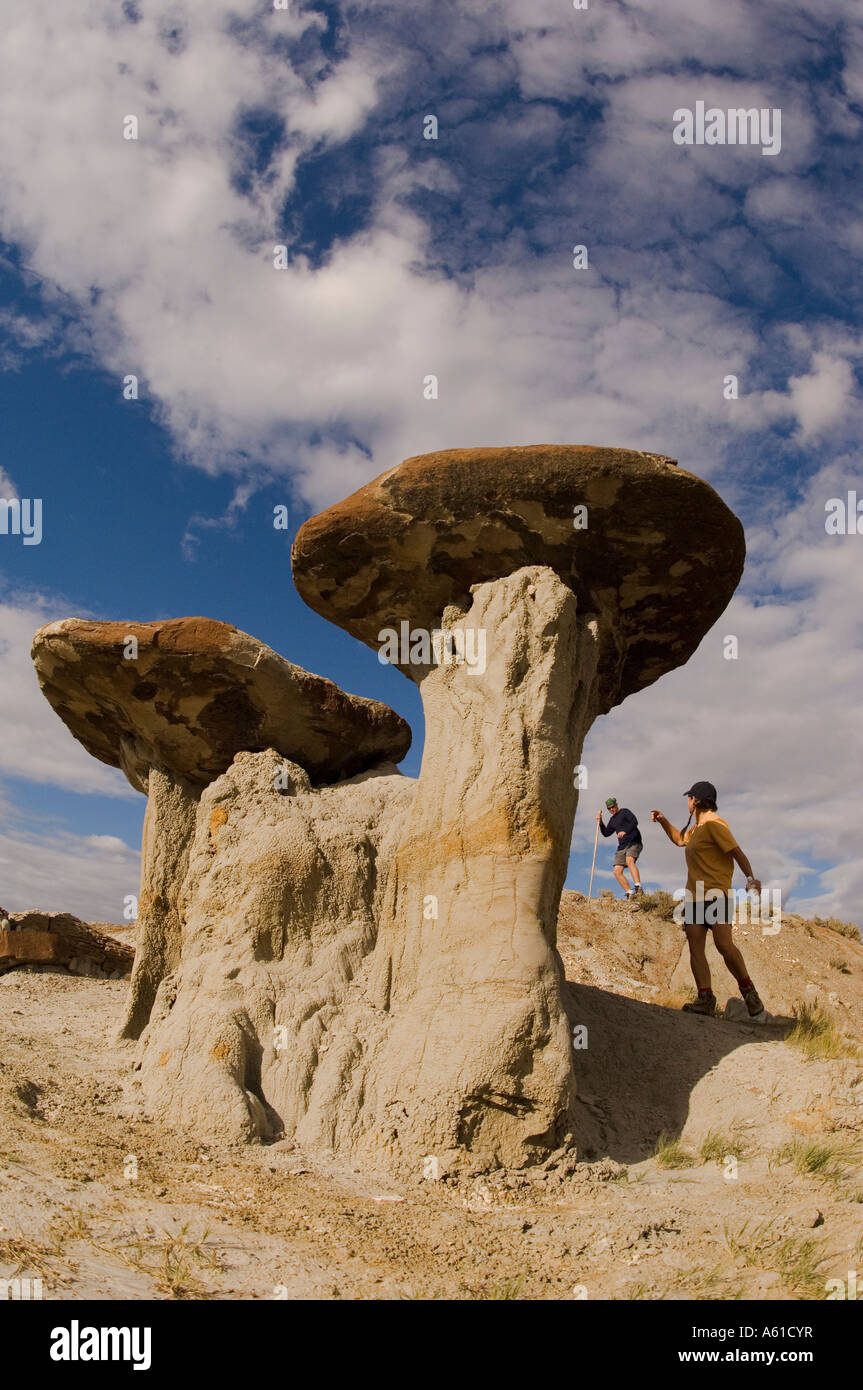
(657, 563)
(199, 692)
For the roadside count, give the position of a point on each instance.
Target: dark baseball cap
(702, 791)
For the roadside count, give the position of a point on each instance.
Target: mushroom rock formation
(172, 703)
(588, 573)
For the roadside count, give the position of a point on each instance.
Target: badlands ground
(718, 1159)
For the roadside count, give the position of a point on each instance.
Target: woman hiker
(711, 853)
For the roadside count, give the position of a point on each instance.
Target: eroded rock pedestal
(330, 950)
(264, 1025)
(168, 827)
(477, 1063)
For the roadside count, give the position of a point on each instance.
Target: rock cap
(655, 557)
(197, 693)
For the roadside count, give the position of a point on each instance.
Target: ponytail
(699, 806)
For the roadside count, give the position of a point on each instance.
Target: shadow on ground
(640, 1066)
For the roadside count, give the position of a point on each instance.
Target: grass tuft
(849, 929)
(660, 903)
(816, 1033)
(817, 1158)
(173, 1261)
(715, 1146)
(798, 1260)
(506, 1289)
(670, 1153)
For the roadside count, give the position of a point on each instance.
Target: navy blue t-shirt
(623, 820)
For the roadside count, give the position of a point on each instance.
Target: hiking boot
(752, 1001)
(636, 890)
(704, 1004)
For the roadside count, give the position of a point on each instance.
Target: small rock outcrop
(57, 938)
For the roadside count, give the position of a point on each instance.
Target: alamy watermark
(844, 516)
(711, 125)
(419, 647)
(22, 517)
(20, 1289)
(713, 906)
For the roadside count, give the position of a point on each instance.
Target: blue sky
(407, 257)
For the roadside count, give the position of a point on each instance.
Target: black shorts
(714, 909)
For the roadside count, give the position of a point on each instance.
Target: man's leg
(620, 875)
(633, 869)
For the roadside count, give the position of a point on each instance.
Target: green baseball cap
(612, 801)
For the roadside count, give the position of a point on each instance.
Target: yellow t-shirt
(708, 855)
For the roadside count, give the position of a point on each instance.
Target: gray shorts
(631, 852)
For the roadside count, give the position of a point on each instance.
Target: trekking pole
(593, 865)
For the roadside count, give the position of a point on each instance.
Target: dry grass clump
(798, 1260)
(662, 904)
(816, 1034)
(850, 929)
(670, 1153)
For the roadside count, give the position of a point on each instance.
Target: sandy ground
(98, 1203)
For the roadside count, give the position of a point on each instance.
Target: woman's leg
(697, 936)
(729, 952)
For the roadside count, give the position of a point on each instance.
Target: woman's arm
(753, 884)
(673, 834)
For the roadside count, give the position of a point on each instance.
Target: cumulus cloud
(317, 370)
(56, 871)
(35, 744)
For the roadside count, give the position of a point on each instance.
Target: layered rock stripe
(58, 938)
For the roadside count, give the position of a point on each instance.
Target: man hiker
(624, 825)
(711, 853)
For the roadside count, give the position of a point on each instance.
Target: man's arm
(673, 834)
(605, 832)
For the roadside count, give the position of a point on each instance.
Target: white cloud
(36, 745)
(240, 359)
(61, 872)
